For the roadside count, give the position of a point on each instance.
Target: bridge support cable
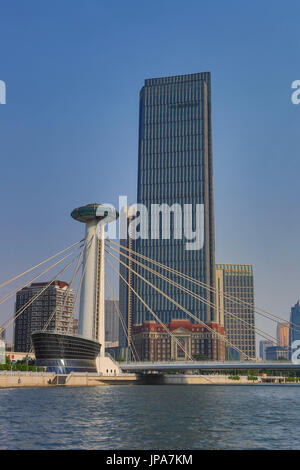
(8, 296)
(166, 329)
(150, 310)
(85, 246)
(66, 294)
(193, 294)
(40, 264)
(156, 317)
(88, 246)
(181, 307)
(17, 314)
(132, 346)
(258, 310)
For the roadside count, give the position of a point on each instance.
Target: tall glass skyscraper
(175, 167)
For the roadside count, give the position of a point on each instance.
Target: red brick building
(153, 343)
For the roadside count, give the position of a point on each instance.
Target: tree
(252, 377)
(291, 379)
(119, 359)
(200, 357)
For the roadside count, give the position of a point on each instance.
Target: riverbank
(189, 379)
(10, 379)
(46, 379)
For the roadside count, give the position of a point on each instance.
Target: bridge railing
(214, 363)
(25, 373)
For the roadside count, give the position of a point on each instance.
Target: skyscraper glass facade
(294, 331)
(125, 293)
(239, 318)
(175, 167)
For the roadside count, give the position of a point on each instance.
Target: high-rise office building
(239, 312)
(283, 331)
(275, 353)
(294, 333)
(111, 322)
(220, 296)
(75, 326)
(2, 335)
(52, 303)
(175, 167)
(126, 296)
(263, 345)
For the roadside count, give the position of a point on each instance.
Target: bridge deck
(206, 365)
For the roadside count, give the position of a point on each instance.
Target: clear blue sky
(69, 130)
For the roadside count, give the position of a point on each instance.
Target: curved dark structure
(94, 211)
(65, 353)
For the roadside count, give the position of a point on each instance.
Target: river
(151, 417)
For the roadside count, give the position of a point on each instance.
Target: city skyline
(150, 263)
(253, 218)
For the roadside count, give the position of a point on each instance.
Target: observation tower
(64, 353)
(91, 311)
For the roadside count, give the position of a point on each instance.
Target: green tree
(8, 362)
(291, 379)
(200, 357)
(119, 359)
(252, 377)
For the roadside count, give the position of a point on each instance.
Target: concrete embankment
(25, 379)
(38, 379)
(178, 379)
(188, 379)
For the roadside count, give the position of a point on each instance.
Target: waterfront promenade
(49, 379)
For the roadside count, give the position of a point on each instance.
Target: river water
(151, 417)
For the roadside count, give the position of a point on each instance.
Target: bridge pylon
(92, 297)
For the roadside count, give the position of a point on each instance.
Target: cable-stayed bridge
(89, 257)
(157, 366)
